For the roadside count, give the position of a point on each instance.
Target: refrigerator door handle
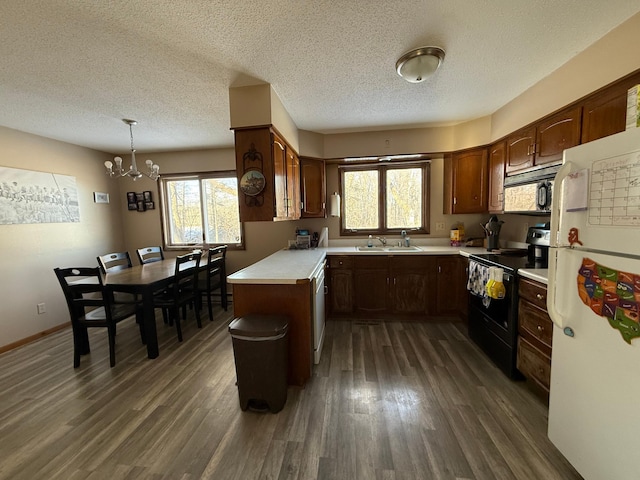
(565, 170)
(558, 320)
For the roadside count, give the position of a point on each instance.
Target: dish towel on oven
(477, 282)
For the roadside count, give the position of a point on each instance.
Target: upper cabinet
(465, 181)
(313, 187)
(604, 112)
(497, 157)
(543, 143)
(268, 176)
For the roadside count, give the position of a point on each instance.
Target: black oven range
(494, 327)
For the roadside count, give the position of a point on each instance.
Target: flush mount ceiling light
(133, 172)
(417, 64)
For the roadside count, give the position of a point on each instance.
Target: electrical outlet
(41, 308)
(439, 226)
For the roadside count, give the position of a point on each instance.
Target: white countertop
(538, 274)
(298, 266)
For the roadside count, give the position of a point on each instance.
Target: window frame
(163, 203)
(382, 197)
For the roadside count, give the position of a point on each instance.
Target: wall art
(27, 196)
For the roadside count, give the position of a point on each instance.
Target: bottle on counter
(370, 241)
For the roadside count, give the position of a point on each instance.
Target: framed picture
(147, 196)
(100, 197)
(141, 206)
(132, 206)
(131, 197)
(149, 206)
(139, 197)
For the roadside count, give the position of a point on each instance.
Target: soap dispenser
(370, 241)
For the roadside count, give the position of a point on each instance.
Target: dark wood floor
(388, 401)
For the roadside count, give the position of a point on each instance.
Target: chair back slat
(112, 262)
(150, 255)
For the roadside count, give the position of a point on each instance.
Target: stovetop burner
(509, 263)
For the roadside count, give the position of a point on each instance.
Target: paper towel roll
(323, 241)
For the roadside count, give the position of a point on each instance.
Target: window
(384, 198)
(200, 207)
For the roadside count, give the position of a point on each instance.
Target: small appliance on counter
(538, 239)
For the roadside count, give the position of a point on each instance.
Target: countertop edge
(536, 274)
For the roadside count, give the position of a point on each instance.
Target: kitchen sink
(388, 249)
(403, 249)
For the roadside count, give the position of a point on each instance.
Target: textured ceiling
(72, 69)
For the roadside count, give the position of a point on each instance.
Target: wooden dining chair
(213, 278)
(183, 291)
(150, 254)
(112, 262)
(90, 305)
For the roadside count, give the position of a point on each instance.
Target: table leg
(150, 331)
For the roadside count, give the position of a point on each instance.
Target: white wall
(29, 253)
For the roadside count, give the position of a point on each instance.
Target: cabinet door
(497, 155)
(340, 283)
(293, 185)
(280, 177)
(371, 284)
(557, 133)
(312, 188)
(410, 284)
(341, 291)
(470, 181)
(520, 150)
(448, 294)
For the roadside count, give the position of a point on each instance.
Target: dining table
(144, 280)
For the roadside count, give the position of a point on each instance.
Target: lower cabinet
(409, 285)
(535, 331)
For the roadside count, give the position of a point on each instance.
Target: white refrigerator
(593, 299)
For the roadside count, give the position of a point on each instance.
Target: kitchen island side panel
(292, 300)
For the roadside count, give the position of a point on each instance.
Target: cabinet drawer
(535, 292)
(535, 322)
(340, 261)
(534, 364)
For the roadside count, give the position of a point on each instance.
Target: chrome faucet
(383, 241)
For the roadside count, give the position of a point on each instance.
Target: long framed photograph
(147, 196)
(100, 197)
(131, 197)
(141, 206)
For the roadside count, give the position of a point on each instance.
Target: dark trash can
(260, 350)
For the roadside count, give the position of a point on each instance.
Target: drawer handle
(539, 297)
(540, 328)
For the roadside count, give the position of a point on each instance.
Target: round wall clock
(252, 182)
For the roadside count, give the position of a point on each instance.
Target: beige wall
(30, 252)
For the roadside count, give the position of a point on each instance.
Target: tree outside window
(381, 199)
(201, 208)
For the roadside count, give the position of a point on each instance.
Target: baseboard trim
(35, 337)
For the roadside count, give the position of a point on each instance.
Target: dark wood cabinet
(557, 133)
(268, 176)
(466, 181)
(535, 331)
(543, 143)
(520, 150)
(313, 188)
(371, 284)
(449, 291)
(340, 284)
(411, 279)
(497, 157)
(604, 112)
(403, 285)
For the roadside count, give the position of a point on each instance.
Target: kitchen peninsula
(282, 283)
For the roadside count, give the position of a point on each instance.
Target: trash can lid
(259, 325)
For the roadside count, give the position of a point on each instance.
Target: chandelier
(133, 172)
